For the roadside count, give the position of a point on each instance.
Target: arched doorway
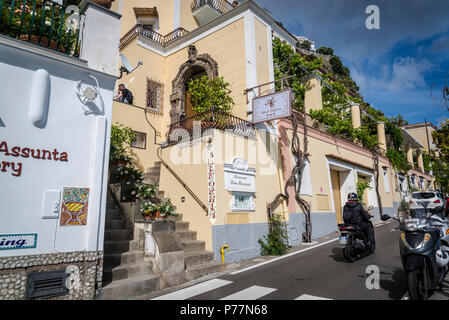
(195, 66)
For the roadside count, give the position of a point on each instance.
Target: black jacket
(353, 213)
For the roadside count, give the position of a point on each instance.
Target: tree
(206, 93)
(326, 51)
(304, 45)
(441, 137)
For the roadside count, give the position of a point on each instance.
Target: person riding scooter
(354, 214)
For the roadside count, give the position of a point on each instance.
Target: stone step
(111, 247)
(127, 288)
(118, 234)
(112, 211)
(193, 245)
(187, 234)
(178, 218)
(181, 225)
(112, 224)
(200, 270)
(154, 170)
(193, 258)
(127, 271)
(129, 257)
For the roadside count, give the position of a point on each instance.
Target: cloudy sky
(394, 66)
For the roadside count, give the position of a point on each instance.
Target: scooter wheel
(348, 251)
(416, 288)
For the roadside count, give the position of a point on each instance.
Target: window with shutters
(154, 95)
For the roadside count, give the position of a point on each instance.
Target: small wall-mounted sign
(239, 177)
(271, 107)
(18, 241)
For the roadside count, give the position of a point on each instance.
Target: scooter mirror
(385, 217)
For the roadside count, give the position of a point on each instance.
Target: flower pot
(34, 39)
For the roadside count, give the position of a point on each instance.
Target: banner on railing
(271, 107)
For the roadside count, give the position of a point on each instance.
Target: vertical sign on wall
(75, 203)
(212, 199)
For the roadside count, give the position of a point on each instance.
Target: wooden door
(335, 181)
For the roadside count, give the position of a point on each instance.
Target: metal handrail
(214, 119)
(221, 6)
(44, 23)
(152, 35)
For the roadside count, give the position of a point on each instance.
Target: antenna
(127, 67)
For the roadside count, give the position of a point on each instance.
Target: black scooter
(420, 248)
(354, 242)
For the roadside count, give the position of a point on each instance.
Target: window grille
(154, 95)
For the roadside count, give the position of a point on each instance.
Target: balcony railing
(42, 22)
(211, 119)
(158, 38)
(221, 6)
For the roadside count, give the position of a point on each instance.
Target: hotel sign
(271, 107)
(239, 177)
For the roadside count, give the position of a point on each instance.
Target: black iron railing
(221, 6)
(152, 35)
(42, 22)
(211, 119)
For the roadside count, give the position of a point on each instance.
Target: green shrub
(276, 242)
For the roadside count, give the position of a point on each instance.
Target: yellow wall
(195, 176)
(319, 172)
(262, 54)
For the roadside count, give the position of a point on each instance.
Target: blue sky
(394, 66)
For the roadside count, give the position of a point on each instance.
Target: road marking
(309, 297)
(251, 293)
(194, 290)
(282, 257)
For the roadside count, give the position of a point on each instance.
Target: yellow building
(222, 179)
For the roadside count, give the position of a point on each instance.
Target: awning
(409, 139)
(146, 12)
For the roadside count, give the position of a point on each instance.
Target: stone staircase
(125, 273)
(198, 261)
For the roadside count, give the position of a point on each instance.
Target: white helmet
(442, 256)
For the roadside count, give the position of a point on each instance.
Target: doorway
(335, 183)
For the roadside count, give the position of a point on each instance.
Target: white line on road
(194, 290)
(251, 293)
(309, 297)
(282, 257)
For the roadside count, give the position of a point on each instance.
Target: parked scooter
(424, 250)
(354, 242)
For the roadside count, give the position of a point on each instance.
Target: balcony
(44, 23)
(140, 30)
(211, 119)
(206, 10)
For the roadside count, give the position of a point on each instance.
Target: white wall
(82, 132)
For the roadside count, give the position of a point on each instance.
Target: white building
(55, 114)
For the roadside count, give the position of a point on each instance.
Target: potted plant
(210, 95)
(167, 209)
(150, 210)
(403, 209)
(121, 139)
(143, 191)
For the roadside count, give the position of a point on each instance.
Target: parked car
(434, 200)
(446, 210)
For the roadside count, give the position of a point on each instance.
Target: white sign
(272, 106)
(18, 241)
(239, 177)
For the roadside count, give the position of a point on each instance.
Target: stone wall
(84, 269)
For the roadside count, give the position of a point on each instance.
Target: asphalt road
(317, 273)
